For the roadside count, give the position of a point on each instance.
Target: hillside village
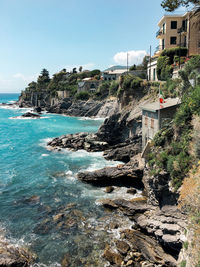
(151, 109)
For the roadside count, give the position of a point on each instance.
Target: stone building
(154, 115)
(88, 85)
(63, 94)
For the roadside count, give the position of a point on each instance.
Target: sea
(43, 206)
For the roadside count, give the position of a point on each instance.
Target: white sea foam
(89, 118)
(45, 155)
(27, 118)
(43, 142)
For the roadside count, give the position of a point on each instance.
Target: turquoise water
(36, 185)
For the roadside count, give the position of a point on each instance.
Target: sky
(57, 34)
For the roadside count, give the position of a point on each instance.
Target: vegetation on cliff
(171, 146)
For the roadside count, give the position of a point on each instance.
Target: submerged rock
(12, 256)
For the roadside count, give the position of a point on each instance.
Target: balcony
(159, 48)
(158, 33)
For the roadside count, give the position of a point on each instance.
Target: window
(163, 28)
(173, 25)
(152, 123)
(163, 44)
(184, 25)
(172, 40)
(146, 121)
(154, 74)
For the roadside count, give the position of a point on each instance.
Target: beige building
(180, 30)
(176, 31)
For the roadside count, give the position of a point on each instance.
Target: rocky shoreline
(157, 232)
(156, 235)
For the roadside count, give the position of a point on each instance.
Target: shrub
(83, 95)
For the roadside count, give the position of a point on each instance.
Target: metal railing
(159, 32)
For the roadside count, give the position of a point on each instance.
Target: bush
(113, 88)
(83, 95)
(162, 63)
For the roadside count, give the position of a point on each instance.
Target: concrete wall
(63, 94)
(152, 71)
(150, 123)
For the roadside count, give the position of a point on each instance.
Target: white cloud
(26, 79)
(134, 57)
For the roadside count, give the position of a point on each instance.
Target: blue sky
(52, 34)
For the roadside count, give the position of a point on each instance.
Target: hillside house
(113, 75)
(176, 31)
(154, 115)
(89, 85)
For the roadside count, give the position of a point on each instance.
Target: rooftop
(172, 16)
(169, 102)
(120, 71)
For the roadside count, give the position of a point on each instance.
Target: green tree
(133, 67)
(43, 80)
(171, 5)
(80, 69)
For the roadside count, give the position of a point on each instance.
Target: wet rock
(122, 247)
(108, 204)
(32, 200)
(112, 257)
(30, 115)
(11, 256)
(37, 109)
(132, 191)
(78, 141)
(66, 260)
(122, 174)
(109, 189)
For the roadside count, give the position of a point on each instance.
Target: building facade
(88, 85)
(154, 115)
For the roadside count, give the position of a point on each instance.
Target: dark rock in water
(37, 109)
(122, 174)
(122, 247)
(109, 204)
(86, 141)
(109, 189)
(149, 248)
(32, 200)
(66, 261)
(132, 191)
(31, 115)
(112, 257)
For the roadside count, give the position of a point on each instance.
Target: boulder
(149, 248)
(30, 115)
(122, 174)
